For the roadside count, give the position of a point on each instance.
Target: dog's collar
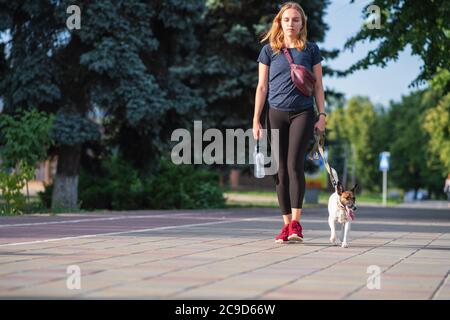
(340, 204)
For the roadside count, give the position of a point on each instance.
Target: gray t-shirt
(283, 95)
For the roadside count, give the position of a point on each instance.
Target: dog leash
(317, 149)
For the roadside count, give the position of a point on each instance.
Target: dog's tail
(335, 175)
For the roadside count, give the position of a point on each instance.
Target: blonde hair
(276, 34)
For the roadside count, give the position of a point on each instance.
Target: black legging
(296, 128)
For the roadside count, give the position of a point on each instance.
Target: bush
(11, 185)
(184, 187)
(118, 186)
(46, 196)
(25, 138)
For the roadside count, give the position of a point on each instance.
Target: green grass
(246, 204)
(364, 198)
(256, 203)
(323, 196)
(252, 192)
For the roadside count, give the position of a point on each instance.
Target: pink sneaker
(283, 236)
(295, 231)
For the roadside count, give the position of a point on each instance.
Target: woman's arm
(260, 98)
(318, 89)
(261, 90)
(320, 96)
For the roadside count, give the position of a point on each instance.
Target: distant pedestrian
(447, 187)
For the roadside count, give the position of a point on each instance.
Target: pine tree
(117, 62)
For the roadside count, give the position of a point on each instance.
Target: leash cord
(318, 149)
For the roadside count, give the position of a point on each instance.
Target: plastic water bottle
(258, 159)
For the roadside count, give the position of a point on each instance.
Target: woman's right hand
(257, 130)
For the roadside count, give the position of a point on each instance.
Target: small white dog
(341, 208)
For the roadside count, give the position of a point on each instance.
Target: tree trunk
(65, 185)
(28, 194)
(234, 178)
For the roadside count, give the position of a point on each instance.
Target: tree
(412, 165)
(355, 125)
(118, 61)
(437, 121)
(421, 24)
(437, 124)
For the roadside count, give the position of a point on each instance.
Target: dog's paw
(344, 245)
(334, 241)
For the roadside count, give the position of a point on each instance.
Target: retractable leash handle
(319, 138)
(314, 153)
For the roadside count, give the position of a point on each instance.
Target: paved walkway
(224, 254)
(432, 204)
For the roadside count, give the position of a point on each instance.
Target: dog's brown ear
(339, 188)
(354, 187)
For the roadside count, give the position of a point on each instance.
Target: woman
(291, 112)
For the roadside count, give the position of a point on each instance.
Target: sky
(380, 84)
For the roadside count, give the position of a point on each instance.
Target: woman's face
(291, 22)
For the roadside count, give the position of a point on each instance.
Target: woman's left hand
(321, 124)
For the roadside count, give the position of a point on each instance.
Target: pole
(344, 175)
(384, 188)
(354, 165)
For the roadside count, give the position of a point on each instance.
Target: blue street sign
(384, 161)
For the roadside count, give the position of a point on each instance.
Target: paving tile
(241, 261)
